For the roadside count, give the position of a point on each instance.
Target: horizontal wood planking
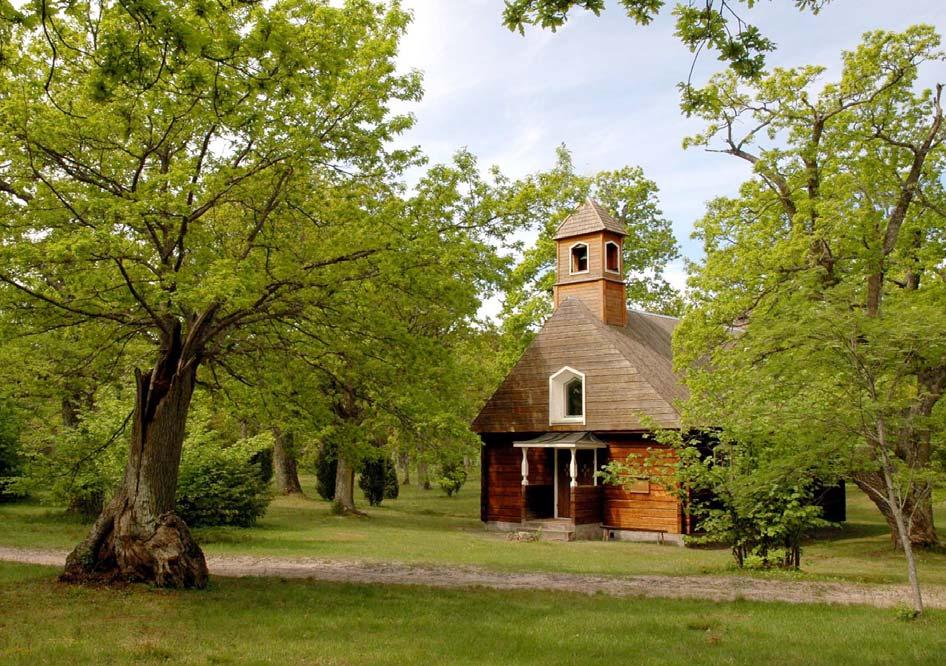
(503, 488)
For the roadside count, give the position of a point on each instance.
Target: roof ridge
(589, 217)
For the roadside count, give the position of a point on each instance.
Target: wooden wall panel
(588, 501)
(656, 510)
(595, 265)
(503, 485)
(615, 308)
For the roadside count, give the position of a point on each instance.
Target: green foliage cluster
(224, 485)
(10, 459)
(378, 480)
(451, 477)
(80, 465)
(326, 468)
(752, 496)
(710, 24)
(223, 479)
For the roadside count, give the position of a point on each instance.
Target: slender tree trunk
(138, 537)
(423, 474)
(922, 529)
(284, 463)
(344, 487)
(405, 464)
(902, 532)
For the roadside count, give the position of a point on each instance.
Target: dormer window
(567, 397)
(612, 257)
(579, 258)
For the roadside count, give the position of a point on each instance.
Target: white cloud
(606, 88)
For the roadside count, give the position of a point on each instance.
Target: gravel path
(714, 588)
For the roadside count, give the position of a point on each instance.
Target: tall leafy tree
(547, 198)
(819, 313)
(184, 173)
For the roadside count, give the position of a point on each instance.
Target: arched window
(612, 257)
(579, 258)
(567, 396)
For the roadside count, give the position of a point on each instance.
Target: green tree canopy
(191, 176)
(819, 313)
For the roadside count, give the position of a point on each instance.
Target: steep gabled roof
(628, 372)
(588, 219)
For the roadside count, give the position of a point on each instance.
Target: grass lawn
(273, 621)
(428, 527)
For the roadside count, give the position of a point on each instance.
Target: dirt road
(714, 588)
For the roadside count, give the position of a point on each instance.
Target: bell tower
(589, 263)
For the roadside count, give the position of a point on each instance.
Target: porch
(561, 496)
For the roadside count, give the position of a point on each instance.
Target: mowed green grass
(249, 621)
(428, 527)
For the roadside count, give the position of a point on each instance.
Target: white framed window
(612, 257)
(578, 258)
(567, 396)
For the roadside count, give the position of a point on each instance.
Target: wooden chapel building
(575, 400)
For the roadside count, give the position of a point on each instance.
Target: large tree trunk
(921, 527)
(138, 537)
(344, 487)
(284, 464)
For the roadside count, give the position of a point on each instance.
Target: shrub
(326, 467)
(81, 466)
(224, 485)
(378, 480)
(452, 477)
(10, 462)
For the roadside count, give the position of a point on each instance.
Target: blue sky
(605, 87)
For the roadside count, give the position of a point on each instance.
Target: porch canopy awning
(562, 440)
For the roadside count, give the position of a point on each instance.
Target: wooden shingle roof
(591, 217)
(628, 373)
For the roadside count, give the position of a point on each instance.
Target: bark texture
(138, 538)
(285, 468)
(345, 487)
(423, 475)
(921, 528)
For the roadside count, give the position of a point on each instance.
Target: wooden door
(563, 459)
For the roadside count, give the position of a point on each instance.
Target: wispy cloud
(605, 87)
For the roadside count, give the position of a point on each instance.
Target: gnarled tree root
(119, 549)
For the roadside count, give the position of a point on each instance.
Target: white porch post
(595, 477)
(573, 470)
(525, 467)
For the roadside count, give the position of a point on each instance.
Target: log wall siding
(616, 392)
(502, 481)
(588, 504)
(657, 510)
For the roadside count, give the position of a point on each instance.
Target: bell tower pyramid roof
(588, 219)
